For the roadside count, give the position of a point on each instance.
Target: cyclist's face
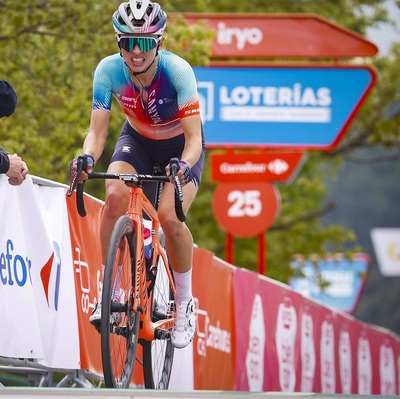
(139, 51)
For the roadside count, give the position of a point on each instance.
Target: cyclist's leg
(115, 205)
(179, 240)
(179, 245)
(129, 157)
(116, 202)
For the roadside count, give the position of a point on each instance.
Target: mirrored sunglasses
(128, 43)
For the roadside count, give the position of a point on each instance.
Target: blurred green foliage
(49, 50)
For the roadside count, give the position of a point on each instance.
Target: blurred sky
(386, 34)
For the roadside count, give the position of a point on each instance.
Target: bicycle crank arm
(159, 333)
(117, 307)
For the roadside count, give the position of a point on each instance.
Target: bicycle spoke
(158, 354)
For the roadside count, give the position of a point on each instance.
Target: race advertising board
(386, 243)
(346, 279)
(280, 35)
(273, 166)
(284, 107)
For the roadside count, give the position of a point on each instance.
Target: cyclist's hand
(184, 173)
(87, 167)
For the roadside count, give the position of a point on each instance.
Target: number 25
(245, 203)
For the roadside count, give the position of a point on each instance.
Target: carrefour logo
(52, 271)
(15, 270)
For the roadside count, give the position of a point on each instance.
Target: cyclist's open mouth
(137, 61)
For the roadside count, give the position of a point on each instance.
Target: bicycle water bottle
(148, 249)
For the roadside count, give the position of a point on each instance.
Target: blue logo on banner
(14, 267)
(288, 106)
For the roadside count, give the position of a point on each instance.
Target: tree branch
(360, 140)
(311, 216)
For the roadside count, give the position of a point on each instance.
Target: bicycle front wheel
(158, 355)
(119, 323)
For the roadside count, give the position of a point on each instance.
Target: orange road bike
(138, 292)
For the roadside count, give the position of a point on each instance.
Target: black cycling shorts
(142, 153)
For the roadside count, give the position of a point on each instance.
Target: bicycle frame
(147, 310)
(137, 204)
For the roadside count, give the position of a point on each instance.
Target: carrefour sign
(301, 107)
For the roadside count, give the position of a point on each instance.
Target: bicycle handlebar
(134, 178)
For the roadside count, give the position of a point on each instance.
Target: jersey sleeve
(186, 87)
(102, 87)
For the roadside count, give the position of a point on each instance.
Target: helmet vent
(139, 8)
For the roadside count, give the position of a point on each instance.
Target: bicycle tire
(158, 354)
(119, 323)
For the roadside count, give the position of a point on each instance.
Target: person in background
(11, 165)
(157, 91)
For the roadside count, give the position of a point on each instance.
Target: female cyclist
(157, 91)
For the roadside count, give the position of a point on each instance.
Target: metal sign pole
(261, 254)
(229, 248)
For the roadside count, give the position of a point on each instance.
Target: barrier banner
(376, 354)
(86, 254)
(37, 308)
(58, 316)
(214, 342)
(286, 342)
(253, 333)
(250, 331)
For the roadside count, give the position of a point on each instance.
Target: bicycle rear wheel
(158, 355)
(119, 323)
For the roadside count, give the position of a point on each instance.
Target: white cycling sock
(183, 284)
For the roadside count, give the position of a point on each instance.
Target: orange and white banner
(253, 334)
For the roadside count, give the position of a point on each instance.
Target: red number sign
(245, 209)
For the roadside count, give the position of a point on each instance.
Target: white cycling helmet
(139, 16)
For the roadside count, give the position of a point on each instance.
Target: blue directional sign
(296, 107)
(345, 278)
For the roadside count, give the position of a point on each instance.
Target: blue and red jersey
(171, 96)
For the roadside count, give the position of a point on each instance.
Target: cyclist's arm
(98, 130)
(101, 106)
(189, 109)
(193, 143)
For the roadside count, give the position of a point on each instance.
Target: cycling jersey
(172, 94)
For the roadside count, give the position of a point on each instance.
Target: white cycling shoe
(184, 325)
